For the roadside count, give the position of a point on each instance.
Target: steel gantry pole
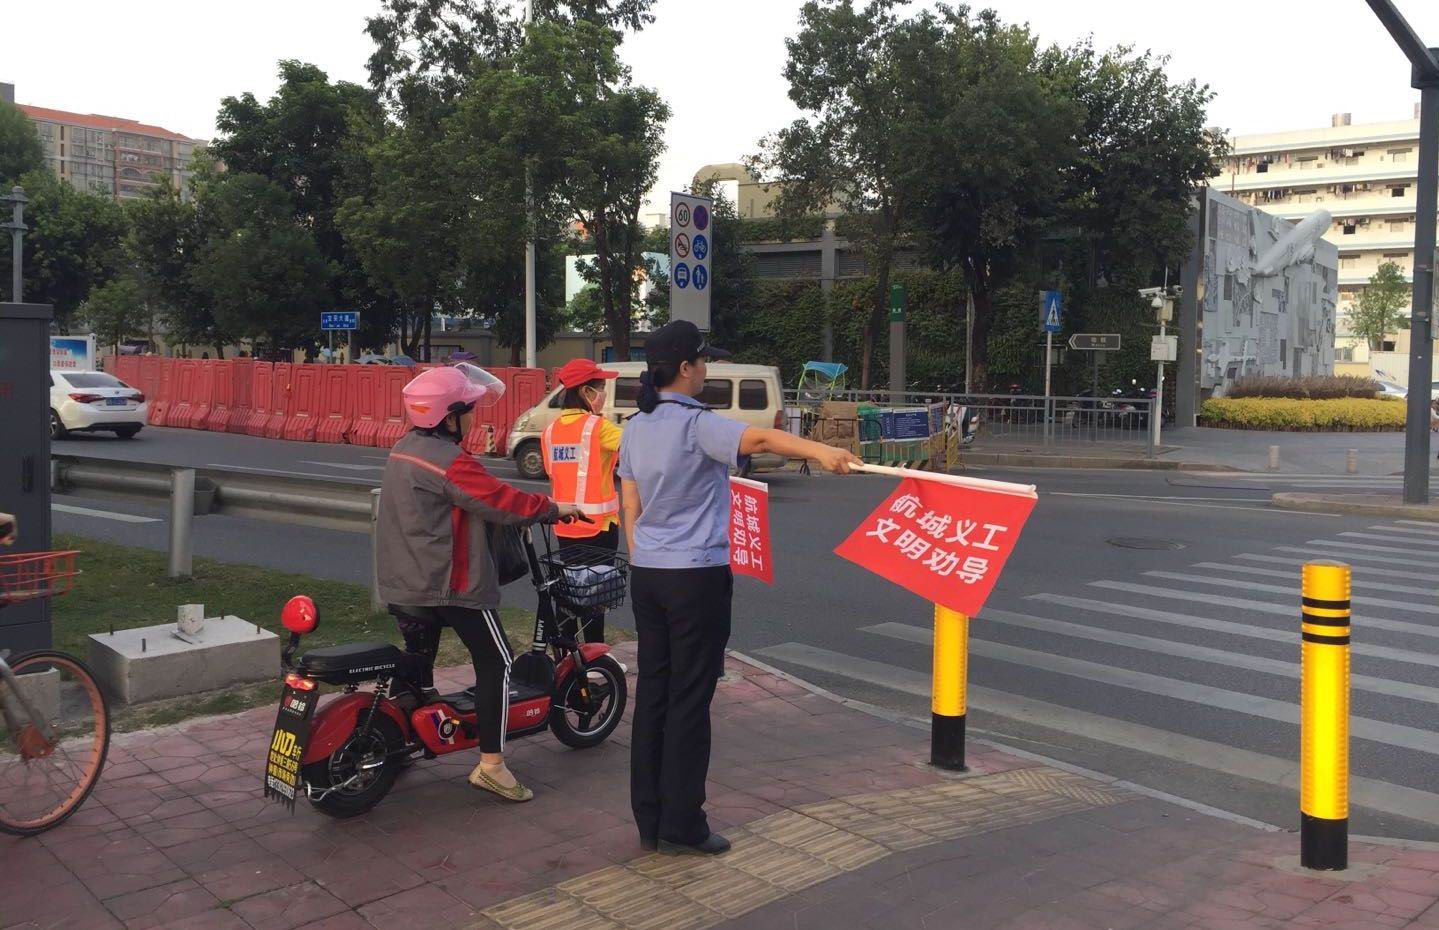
(1424, 62)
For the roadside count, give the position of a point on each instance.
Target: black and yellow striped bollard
(951, 673)
(1324, 717)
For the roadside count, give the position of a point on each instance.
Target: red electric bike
(346, 756)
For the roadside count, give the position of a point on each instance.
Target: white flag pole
(977, 484)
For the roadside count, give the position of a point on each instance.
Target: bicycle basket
(31, 575)
(587, 577)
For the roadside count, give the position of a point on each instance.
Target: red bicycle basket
(36, 574)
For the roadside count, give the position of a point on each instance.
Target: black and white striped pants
(484, 637)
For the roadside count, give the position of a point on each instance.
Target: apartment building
(1364, 175)
(109, 155)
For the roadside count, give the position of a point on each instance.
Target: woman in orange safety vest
(580, 449)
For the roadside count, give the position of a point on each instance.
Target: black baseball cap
(679, 341)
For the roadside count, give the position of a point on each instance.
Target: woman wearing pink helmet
(432, 553)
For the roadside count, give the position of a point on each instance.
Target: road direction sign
(1095, 342)
(1051, 311)
(692, 247)
(339, 319)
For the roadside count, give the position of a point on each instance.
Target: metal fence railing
(1007, 422)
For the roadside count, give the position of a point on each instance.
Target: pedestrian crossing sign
(1051, 311)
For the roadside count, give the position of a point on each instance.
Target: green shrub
(1345, 414)
(1312, 387)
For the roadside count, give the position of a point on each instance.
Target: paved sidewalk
(837, 823)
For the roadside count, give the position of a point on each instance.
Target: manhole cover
(1145, 542)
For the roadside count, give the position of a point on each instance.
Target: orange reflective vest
(574, 460)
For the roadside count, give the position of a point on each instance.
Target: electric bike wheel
(581, 725)
(358, 774)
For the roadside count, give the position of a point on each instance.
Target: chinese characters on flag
(749, 543)
(944, 542)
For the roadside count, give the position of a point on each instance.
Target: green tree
(163, 246)
(1383, 305)
(259, 271)
(310, 139)
(989, 174)
(115, 311)
(863, 76)
(20, 149)
(75, 244)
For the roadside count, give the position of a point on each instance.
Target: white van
(748, 393)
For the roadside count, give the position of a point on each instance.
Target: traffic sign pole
(1048, 367)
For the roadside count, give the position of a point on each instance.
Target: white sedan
(92, 401)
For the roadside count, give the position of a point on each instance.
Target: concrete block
(151, 662)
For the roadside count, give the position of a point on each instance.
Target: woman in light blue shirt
(674, 468)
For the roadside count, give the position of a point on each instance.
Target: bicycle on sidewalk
(54, 719)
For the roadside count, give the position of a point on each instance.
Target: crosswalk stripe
(1358, 557)
(1292, 590)
(1362, 547)
(1362, 570)
(1429, 525)
(1294, 577)
(1254, 705)
(1407, 529)
(1286, 668)
(1398, 800)
(1420, 544)
(1189, 621)
(1218, 600)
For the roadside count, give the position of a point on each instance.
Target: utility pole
(968, 341)
(530, 336)
(1424, 77)
(16, 226)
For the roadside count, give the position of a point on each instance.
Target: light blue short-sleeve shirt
(680, 456)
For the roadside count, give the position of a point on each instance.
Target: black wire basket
(587, 577)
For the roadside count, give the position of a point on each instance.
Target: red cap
(579, 371)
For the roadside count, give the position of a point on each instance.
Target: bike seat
(352, 662)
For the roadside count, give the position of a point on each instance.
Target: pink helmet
(439, 391)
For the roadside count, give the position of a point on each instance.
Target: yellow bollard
(1324, 718)
(951, 673)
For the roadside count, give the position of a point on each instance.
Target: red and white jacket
(431, 546)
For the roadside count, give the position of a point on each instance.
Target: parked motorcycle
(345, 757)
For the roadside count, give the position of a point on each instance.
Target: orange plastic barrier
(390, 409)
(203, 393)
(365, 410)
(241, 384)
(165, 395)
(279, 400)
(262, 377)
(149, 375)
(338, 390)
(222, 388)
(524, 387)
(126, 368)
(183, 391)
(300, 417)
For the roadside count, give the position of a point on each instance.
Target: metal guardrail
(338, 503)
(1009, 422)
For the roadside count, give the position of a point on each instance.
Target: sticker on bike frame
(287, 745)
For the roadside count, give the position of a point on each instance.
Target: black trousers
(484, 637)
(682, 617)
(594, 620)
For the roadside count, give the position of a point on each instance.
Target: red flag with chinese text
(944, 542)
(749, 542)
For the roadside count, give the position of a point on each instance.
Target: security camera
(1151, 291)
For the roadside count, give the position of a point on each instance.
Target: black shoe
(712, 845)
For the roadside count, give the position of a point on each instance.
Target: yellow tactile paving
(787, 852)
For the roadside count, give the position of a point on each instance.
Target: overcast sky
(1274, 65)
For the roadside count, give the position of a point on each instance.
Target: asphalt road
(1146, 628)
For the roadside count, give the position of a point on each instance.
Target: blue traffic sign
(701, 246)
(702, 218)
(682, 274)
(1051, 311)
(340, 319)
(702, 277)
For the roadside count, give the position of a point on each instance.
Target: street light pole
(1425, 78)
(530, 336)
(16, 226)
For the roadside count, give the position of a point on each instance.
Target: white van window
(753, 394)
(718, 393)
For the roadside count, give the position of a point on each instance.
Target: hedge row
(1348, 414)
(1310, 387)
